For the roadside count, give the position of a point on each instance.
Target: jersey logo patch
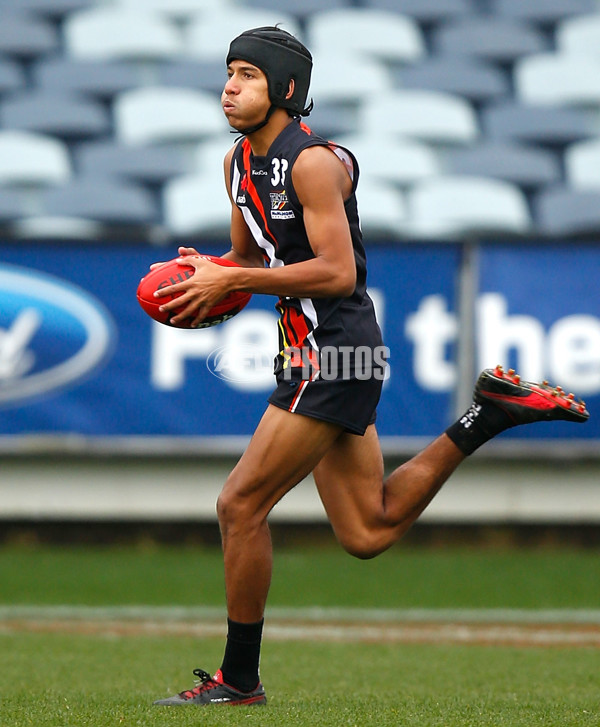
(241, 198)
(279, 200)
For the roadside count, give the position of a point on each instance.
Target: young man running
(295, 233)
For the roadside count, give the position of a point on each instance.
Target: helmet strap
(256, 127)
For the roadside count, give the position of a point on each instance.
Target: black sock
(242, 655)
(479, 424)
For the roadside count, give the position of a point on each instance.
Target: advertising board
(79, 356)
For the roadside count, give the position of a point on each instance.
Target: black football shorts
(351, 403)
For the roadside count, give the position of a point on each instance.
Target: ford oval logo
(52, 334)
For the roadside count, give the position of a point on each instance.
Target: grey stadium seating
(477, 81)
(64, 115)
(118, 33)
(302, 10)
(454, 207)
(121, 98)
(47, 8)
(357, 31)
(103, 200)
(431, 116)
(193, 73)
(489, 38)
(543, 11)
(546, 125)
(425, 11)
(564, 212)
(161, 114)
(558, 79)
(25, 36)
(527, 166)
(28, 159)
(12, 76)
(102, 79)
(147, 164)
(582, 164)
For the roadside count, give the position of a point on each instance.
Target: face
(245, 98)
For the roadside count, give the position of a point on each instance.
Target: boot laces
(204, 682)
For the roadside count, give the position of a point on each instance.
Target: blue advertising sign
(78, 354)
(538, 311)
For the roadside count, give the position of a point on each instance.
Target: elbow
(346, 284)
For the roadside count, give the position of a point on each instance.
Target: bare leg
(284, 449)
(367, 514)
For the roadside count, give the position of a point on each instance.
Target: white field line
(309, 613)
(482, 626)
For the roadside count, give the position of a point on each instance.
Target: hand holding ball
(172, 272)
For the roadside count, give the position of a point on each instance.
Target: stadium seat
(116, 33)
(558, 79)
(159, 115)
(455, 207)
(579, 34)
(477, 81)
(382, 210)
(546, 12)
(524, 165)
(293, 7)
(431, 116)
(179, 9)
(103, 79)
(338, 78)
(42, 227)
(109, 201)
(565, 212)
(489, 38)
(208, 157)
(389, 159)
(55, 9)
(424, 11)
(148, 164)
(209, 34)
(64, 115)
(188, 73)
(546, 125)
(32, 159)
(196, 204)
(12, 76)
(25, 36)
(331, 119)
(13, 205)
(376, 33)
(582, 164)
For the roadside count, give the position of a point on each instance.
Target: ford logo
(52, 334)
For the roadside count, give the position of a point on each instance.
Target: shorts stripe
(300, 391)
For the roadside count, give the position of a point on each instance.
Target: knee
(237, 511)
(363, 545)
(230, 509)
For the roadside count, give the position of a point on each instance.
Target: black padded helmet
(281, 57)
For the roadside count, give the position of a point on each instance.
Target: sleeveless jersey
(263, 190)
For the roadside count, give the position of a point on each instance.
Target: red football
(172, 272)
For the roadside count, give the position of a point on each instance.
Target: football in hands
(172, 272)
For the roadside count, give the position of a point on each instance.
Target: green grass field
(105, 670)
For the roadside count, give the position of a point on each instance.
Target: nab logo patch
(52, 334)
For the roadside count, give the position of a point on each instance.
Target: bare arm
(322, 184)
